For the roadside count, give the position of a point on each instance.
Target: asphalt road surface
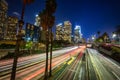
(104, 68)
(31, 66)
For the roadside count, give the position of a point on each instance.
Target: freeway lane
(90, 69)
(104, 67)
(40, 66)
(68, 55)
(62, 51)
(7, 64)
(70, 69)
(30, 70)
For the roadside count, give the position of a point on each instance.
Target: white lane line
(111, 62)
(116, 75)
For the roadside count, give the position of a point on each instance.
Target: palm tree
(24, 5)
(51, 8)
(118, 29)
(51, 40)
(19, 38)
(44, 23)
(47, 21)
(105, 36)
(118, 32)
(98, 34)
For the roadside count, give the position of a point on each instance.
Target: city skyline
(92, 16)
(82, 43)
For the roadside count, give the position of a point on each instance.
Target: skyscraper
(67, 31)
(63, 32)
(41, 32)
(37, 20)
(77, 34)
(11, 29)
(32, 32)
(59, 32)
(3, 18)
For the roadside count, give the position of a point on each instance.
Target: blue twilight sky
(91, 15)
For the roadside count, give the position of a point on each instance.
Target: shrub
(115, 50)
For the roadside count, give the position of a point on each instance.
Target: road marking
(116, 75)
(71, 61)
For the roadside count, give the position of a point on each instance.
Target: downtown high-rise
(77, 34)
(3, 18)
(63, 32)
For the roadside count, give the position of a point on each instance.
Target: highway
(71, 69)
(71, 63)
(31, 66)
(102, 67)
(6, 64)
(89, 65)
(22, 59)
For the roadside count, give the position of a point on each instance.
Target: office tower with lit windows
(77, 34)
(3, 18)
(63, 32)
(32, 32)
(37, 25)
(37, 20)
(11, 29)
(59, 32)
(67, 31)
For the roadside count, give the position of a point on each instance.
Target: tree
(51, 8)
(19, 38)
(47, 21)
(105, 36)
(118, 32)
(44, 23)
(24, 5)
(98, 33)
(118, 29)
(100, 39)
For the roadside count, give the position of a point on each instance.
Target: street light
(36, 15)
(114, 35)
(93, 38)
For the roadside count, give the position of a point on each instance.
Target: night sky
(91, 15)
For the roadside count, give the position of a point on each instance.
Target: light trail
(103, 66)
(38, 69)
(72, 53)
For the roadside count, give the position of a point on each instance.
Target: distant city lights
(77, 27)
(36, 15)
(114, 35)
(28, 39)
(59, 24)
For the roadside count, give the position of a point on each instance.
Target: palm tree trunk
(21, 23)
(13, 73)
(23, 11)
(19, 37)
(47, 47)
(50, 73)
